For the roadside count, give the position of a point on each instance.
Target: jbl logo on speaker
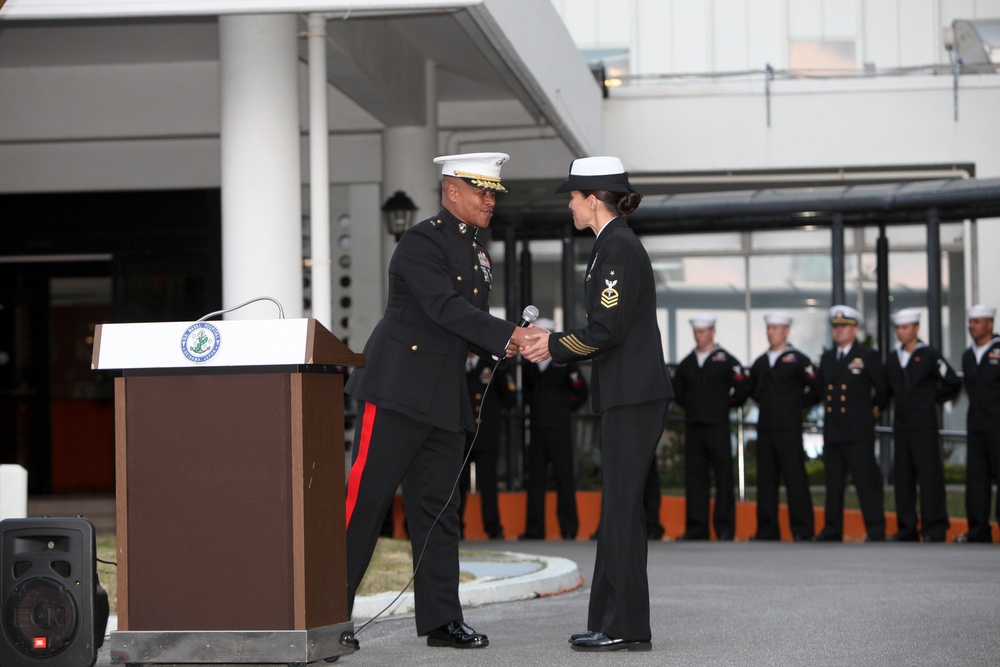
(54, 609)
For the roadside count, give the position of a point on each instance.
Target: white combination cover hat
(479, 169)
(841, 314)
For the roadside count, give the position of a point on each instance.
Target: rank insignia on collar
(609, 297)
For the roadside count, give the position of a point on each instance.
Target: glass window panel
(789, 239)
(692, 243)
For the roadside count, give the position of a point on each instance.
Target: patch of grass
(392, 566)
(108, 574)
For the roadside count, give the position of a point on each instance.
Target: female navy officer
(630, 389)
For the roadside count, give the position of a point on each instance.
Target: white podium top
(222, 343)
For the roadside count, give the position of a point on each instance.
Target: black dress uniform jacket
(916, 389)
(439, 282)
(784, 390)
(707, 392)
(621, 334)
(853, 387)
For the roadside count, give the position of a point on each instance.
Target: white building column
(261, 180)
(407, 153)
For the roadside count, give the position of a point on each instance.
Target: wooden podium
(230, 490)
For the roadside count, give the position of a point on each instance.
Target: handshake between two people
(532, 342)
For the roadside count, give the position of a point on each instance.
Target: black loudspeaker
(54, 609)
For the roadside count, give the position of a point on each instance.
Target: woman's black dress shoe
(601, 642)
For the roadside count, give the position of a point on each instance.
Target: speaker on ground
(54, 609)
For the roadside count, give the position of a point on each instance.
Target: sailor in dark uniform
(552, 392)
(413, 398)
(490, 393)
(981, 367)
(630, 388)
(919, 379)
(784, 385)
(709, 382)
(854, 388)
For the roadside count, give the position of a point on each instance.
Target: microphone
(529, 315)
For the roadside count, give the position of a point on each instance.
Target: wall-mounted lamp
(398, 212)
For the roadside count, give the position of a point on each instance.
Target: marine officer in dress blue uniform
(413, 398)
(784, 385)
(981, 367)
(919, 379)
(854, 387)
(709, 382)
(630, 389)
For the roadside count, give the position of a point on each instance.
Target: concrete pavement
(736, 604)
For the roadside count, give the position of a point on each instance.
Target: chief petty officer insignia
(609, 297)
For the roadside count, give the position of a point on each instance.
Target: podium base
(257, 647)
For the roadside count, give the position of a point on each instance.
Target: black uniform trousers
(619, 593)
(486, 486)
(391, 448)
(983, 468)
(858, 459)
(918, 461)
(555, 446)
(780, 456)
(708, 448)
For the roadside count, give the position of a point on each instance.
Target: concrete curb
(556, 575)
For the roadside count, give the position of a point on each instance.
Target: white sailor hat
(479, 169)
(841, 314)
(907, 316)
(979, 310)
(597, 173)
(778, 317)
(702, 321)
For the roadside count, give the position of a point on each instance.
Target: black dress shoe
(457, 635)
(601, 642)
(933, 538)
(874, 538)
(569, 536)
(724, 537)
(903, 537)
(526, 536)
(577, 636)
(828, 537)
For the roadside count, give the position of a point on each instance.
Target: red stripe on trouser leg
(358, 468)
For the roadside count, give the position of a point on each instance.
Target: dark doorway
(69, 262)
